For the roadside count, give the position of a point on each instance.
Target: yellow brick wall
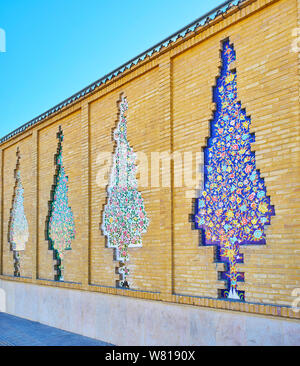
(170, 106)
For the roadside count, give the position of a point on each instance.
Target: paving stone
(16, 331)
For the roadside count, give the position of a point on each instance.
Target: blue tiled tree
(233, 207)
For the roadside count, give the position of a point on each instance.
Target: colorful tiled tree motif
(61, 227)
(124, 216)
(18, 226)
(233, 207)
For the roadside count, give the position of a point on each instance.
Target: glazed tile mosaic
(233, 208)
(18, 226)
(61, 227)
(124, 216)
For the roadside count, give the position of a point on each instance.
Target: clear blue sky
(57, 47)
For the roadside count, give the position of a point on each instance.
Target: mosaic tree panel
(124, 216)
(60, 224)
(233, 207)
(18, 225)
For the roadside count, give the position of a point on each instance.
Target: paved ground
(16, 331)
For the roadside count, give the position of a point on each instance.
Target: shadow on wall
(2, 301)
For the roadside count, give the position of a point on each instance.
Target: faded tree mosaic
(233, 207)
(124, 216)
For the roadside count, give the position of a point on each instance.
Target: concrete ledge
(126, 321)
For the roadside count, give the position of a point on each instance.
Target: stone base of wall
(125, 321)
